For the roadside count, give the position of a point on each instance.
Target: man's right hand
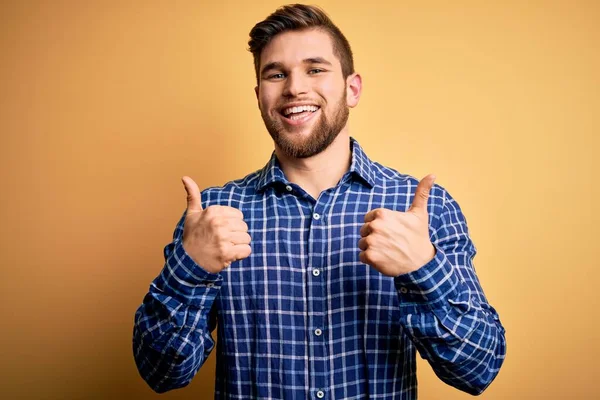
(214, 237)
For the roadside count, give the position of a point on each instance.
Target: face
(302, 94)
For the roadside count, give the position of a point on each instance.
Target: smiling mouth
(299, 112)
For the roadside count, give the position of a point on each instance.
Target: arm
(446, 313)
(172, 328)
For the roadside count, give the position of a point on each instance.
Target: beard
(323, 133)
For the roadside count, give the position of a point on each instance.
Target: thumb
(193, 195)
(422, 193)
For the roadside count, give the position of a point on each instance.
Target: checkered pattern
(302, 317)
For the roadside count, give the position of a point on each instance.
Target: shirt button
(318, 332)
(316, 272)
(288, 188)
(316, 216)
(320, 394)
(210, 284)
(403, 290)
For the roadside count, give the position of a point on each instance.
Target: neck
(321, 171)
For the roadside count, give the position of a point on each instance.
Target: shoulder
(231, 193)
(390, 180)
(440, 205)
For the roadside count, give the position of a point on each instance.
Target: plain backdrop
(105, 105)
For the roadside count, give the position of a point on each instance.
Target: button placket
(316, 297)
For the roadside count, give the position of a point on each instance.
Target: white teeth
(299, 109)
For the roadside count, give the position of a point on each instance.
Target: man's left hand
(396, 242)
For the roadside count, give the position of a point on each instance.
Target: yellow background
(104, 105)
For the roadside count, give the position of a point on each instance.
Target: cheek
(334, 99)
(266, 100)
(332, 92)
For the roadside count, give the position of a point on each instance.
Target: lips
(287, 111)
(297, 114)
(300, 118)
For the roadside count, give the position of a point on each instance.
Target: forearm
(172, 330)
(451, 323)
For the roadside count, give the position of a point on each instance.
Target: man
(324, 271)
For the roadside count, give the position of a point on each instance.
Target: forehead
(291, 47)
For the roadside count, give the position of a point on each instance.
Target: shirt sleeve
(445, 312)
(172, 328)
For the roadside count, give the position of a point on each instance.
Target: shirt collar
(361, 167)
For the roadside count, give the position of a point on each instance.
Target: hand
(214, 237)
(395, 242)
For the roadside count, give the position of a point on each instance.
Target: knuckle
(233, 211)
(222, 248)
(361, 244)
(367, 256)
(210, 211)
(372, 256)
(374, 226)
(218, 223)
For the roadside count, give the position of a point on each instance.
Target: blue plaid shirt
(302, 317)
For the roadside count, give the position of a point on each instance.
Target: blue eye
(277, 76)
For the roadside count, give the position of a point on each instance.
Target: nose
(295, 85)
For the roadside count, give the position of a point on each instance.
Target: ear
(256, 91)
(353, 90)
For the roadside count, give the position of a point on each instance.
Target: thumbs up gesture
(214, 237)
(395, 242)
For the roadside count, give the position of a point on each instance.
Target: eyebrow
(279, 65)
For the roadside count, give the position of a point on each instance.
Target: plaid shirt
(302, 317)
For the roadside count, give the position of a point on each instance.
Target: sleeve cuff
(186, 280)
(434, 284)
